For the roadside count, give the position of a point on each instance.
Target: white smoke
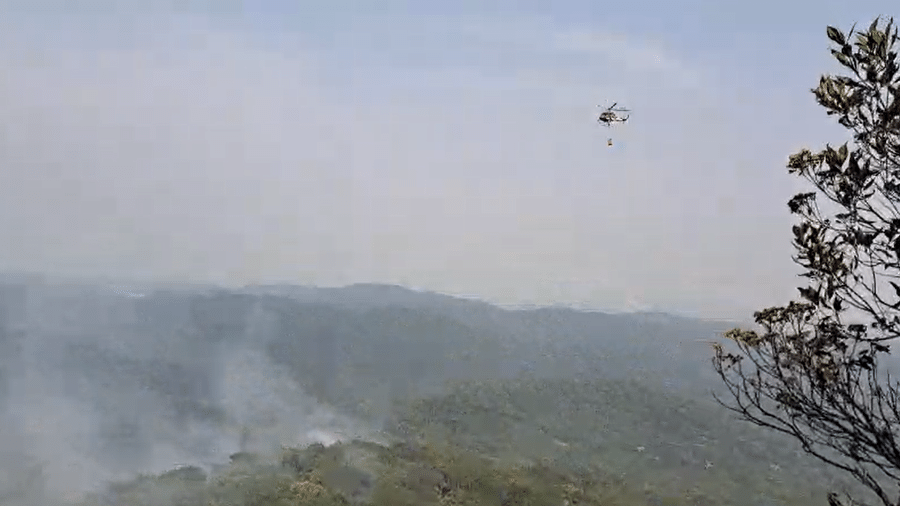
(68, 425)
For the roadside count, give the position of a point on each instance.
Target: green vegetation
(655, 442)
(541, 407)
(517, 442)
(819, 371)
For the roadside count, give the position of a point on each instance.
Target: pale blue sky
(443, 145)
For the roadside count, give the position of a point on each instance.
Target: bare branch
(817, 372)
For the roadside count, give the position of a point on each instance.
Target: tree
(818, 369)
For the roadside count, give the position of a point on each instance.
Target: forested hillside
(133, 380)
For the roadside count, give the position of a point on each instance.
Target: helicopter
(611, 115)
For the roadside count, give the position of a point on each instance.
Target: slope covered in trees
(144, 379)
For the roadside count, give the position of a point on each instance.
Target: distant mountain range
(544, 341)
(134, 371)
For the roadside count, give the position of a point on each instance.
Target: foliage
(472, 461)
(567, 428)
(598, 426)
(819, 368)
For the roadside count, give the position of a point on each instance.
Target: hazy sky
(448, 145)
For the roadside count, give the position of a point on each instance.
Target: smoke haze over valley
(103, 382)
(383, 254)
